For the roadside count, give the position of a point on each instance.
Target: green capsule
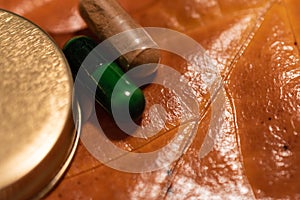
(108, 74)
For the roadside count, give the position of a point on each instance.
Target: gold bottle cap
(37, 132)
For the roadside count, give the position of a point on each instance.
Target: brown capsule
(107, 18)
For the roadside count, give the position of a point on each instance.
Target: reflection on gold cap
(37, 133)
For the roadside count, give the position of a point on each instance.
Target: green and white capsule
(104, 77)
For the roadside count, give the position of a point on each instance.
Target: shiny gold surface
(36, 127)
(256, 46)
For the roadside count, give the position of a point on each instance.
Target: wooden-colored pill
(107, 18)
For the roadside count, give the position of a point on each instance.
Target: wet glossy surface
(255, 45)
(52, 15)
(264, 86)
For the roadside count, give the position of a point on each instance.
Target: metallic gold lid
(37, 132)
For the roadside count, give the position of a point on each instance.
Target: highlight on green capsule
(104, 76)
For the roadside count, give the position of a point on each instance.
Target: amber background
(255, 44)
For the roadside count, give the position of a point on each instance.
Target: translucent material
(107, 18)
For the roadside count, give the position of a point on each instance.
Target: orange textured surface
(255, 44)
